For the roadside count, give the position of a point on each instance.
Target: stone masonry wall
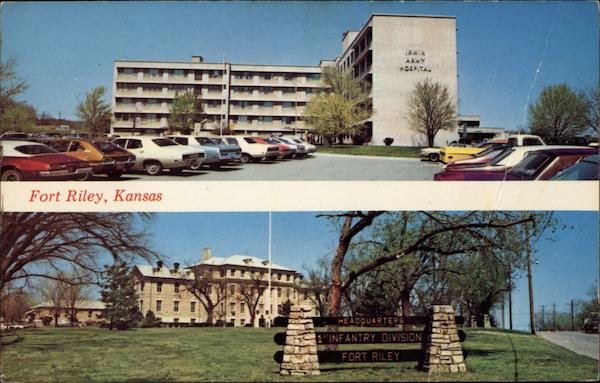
(300, 350)
(441, 345)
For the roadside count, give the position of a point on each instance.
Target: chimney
(206, 254)
(197, 59)
(159, 265)
(176, 266)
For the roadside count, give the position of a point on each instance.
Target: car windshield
(107, 147)
(487, 151)
(505, 153)
(164, 142)
(585, 169)
(204, 141)
(231, 141)
(35, 149)
(218, 141)
(249, 140)
(530, 165)
(271, 141)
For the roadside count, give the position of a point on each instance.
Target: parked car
(482, 158)
(532, 163)
(251, 149)
(153, 154)
(525, 140)
(214, 155)
(285, 151)
(590, 324)
(584, 169)
(299, 149)
(17, 326)
(310, 148)
(32, 161)
(15, 136)
(433, 154)
(547, 163)
(229, 153)
(104, 157)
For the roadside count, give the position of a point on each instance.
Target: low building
(84, 311)
(229, 283)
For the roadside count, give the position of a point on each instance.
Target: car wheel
(215, 166)
(245, 158)
(12, 175)
(434, 157)
(115, 174)
(153, 168)
(196, 166)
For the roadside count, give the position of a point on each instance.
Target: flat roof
(213, 63)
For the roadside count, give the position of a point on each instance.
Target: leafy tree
(431, 109)
(286, 307)
(94, 112)
(14, 306)
(318, 283)
(17, 117)
(340, 110)
(591, 306)
(186, 110)
(558, 112)
(592, 99)
(209, 290)
(34, 244)
(11, 84)
(118, 294)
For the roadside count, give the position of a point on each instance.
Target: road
(319, 167)
(578, 342)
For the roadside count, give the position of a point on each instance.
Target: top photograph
(299, 91)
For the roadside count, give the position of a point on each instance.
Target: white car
(252, 150)
(525, 140)
(215, 154)
(153, 154)
(310, 148)
(433, 154)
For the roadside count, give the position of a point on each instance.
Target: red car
(284, 150)
(536, 165)
(32, 161)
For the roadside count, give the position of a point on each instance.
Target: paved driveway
(578, 342)
(320, 167)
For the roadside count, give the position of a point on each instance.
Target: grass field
(246, 354)
(381, 151)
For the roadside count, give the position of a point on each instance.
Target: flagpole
(269, 289)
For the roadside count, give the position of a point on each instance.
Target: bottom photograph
(299, 296)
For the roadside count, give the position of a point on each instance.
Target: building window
(279, 292)
(141, 304)
(159, 287)
(268, 76)
(215, 74)
(268, 104)
(287, 90)
(242, 118)
(222, 273)
(289, 277)
(288, 76)
(193, 320)
(158, 306)
(261, 307)
(287, 293)
(232, 289)
(175, 320)
(90, 313)
(192, 307)
(304, 295)
(176, 287)
(176, 306)
(242, 306)
(232, 308)
(142, 286)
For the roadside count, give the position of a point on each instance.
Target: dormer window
(247, 260)
(265, 263)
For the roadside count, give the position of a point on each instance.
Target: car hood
(50, 159)
(487, 173)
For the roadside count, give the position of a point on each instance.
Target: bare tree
(425, 232)
(74, 295)
(251, 291)
(14, 306)
(53, 293)
(318, 285)
(209, 290)
(431, 109)
(591, 96)
(43, 245)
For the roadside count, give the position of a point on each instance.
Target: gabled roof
(164, 272)
(242, 261)
(83, 305)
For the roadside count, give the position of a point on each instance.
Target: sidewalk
(578, 342)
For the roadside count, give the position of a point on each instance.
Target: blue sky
(66, 49)
(568, 264)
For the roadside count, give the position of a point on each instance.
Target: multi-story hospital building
(391, 52)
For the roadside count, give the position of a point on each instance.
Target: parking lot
(317, 167)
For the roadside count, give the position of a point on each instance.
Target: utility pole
(553, 316)
(543, 318)
(572, 322)
(502, 310)
(528, 249)
(510, 316)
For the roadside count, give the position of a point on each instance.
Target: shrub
(388, 141)
(151, 320)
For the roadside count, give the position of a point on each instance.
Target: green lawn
(382, 151)
(245, 354)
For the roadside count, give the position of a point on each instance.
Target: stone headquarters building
(391, 52)
(163, 291)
